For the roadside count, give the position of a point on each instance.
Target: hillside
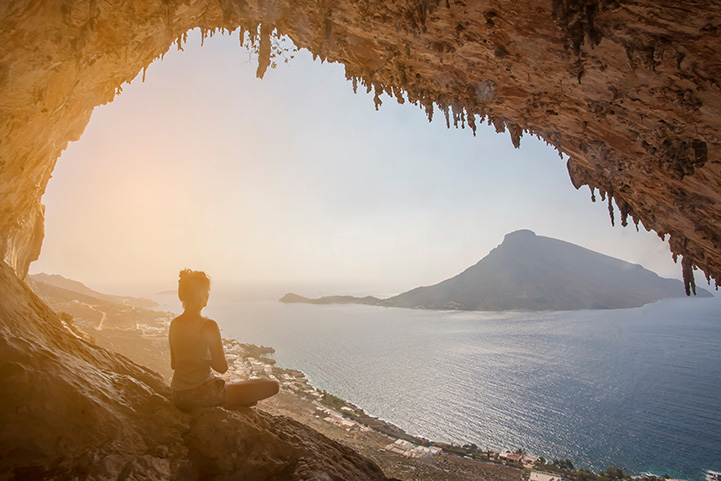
(530, 272)
(80, 288)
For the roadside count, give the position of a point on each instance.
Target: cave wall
(628, 90)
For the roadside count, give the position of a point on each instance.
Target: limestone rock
(628, 91)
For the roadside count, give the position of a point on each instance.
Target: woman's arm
(170, 344)
(211, 334)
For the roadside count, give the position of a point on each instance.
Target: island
(533, 273)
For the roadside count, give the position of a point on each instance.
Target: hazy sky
(296, 179)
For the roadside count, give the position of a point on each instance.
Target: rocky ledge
(74, 410)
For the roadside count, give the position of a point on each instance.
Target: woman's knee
(269, 387)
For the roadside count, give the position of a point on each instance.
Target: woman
(196, 347)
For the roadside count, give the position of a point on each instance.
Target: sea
(639, 389)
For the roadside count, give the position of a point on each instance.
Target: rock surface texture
(72, 410)
(629, 90)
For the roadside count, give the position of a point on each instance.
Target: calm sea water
(635, 388)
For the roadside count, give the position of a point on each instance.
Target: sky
(295, 181)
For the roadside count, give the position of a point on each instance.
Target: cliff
(74, 410)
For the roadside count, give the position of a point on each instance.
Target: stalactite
(472, 123)
(388, 90)
(610, 209)
(499, 125)
(454, 115)
(429, 111)
(593, 193)
(636, 220)
(445, 112)
(376, 97)
(264, 50)
(398, 94)
(253, 36)
(516, 132)
(687, 267)
(624, 209)
(355, 85)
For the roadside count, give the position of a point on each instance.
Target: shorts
(210, 393)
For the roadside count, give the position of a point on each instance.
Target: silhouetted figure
(196, 347)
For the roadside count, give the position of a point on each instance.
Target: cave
(628, 91)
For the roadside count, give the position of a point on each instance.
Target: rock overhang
(627, 92)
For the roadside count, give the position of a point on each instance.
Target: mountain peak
(519, 235)
(531, 272)
(534, 273)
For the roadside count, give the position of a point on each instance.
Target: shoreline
(141, 335)
(399, 454)
(346, 415)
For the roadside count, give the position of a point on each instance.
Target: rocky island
(530, 272)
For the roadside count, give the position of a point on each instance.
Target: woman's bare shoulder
(175, 321)
(209, 325)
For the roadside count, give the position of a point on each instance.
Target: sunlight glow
(296, 179)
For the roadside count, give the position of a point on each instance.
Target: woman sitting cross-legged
(196, 346)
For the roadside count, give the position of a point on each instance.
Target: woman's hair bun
(190, 283)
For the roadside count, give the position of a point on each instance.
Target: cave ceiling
(629, 91)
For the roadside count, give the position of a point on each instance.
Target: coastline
(340, 420)
(141, 335)
(399, 454)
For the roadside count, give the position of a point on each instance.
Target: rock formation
(628, 90)
(71, 410)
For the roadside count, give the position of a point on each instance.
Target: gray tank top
(192, 356)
